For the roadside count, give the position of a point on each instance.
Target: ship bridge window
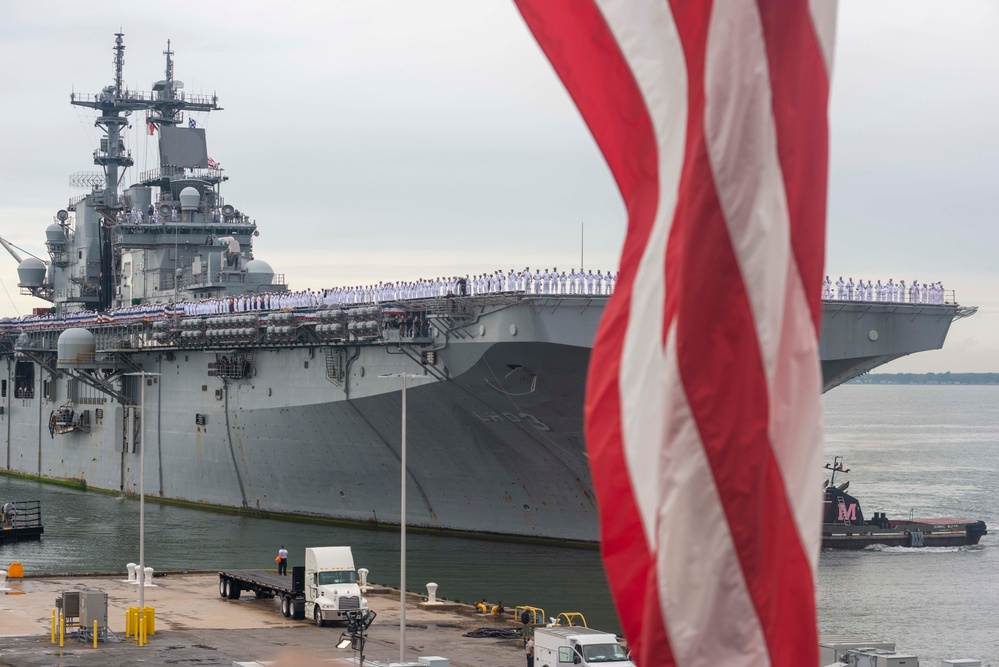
(24, 379)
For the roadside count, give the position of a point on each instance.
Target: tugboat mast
(837, 466)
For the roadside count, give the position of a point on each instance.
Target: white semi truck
(324, 589)
(562, 646)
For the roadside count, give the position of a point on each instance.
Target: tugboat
(21, 521)
(844, 526)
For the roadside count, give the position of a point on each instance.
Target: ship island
(165, 336)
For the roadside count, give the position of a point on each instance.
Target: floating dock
(21, 521)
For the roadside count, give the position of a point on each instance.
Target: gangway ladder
(842, 510)
(336, 364)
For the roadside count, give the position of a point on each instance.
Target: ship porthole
(513, 329)
(873, 334)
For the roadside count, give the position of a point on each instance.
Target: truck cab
(331, 588)
(564, 646)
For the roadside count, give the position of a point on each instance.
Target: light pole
(142, 492)
(402, 521)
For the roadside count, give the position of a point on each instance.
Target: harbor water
(928, 450)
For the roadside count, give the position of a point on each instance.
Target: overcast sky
(395, 140)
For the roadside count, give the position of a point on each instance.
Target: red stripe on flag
(576, 40)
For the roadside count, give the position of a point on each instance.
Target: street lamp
(142, 492)
(402, 520)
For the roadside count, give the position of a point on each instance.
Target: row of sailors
(537, 282)
(541, 282)
(153, 216)
(890, 292)
(528, 282)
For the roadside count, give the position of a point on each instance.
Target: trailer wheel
(317, 616)
(286, 606)
(234, 590)
(222, 591)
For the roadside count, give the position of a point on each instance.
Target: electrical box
(880, 658)
(833, 648)
(93, 607)
(434, 661)
(69, 604)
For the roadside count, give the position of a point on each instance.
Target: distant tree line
(927, 378)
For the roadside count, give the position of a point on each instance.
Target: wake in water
(881, 548)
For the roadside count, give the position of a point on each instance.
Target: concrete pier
(194, 625)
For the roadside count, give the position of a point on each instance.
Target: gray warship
(297, 410)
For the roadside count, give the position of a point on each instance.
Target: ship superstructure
(255, 402)
(167, 238)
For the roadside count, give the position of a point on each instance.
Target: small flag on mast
(191, 123)
(151, 126)
(212, 164)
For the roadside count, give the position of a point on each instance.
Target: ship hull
(904, 534)
(493, 429)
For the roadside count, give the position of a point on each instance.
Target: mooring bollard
(431, 593)
(131, 572)
(362, 574)
(148, 579)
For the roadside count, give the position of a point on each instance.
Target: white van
(572, 645)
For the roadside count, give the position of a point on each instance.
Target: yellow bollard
(62, 630)
(53, 624)
(150, 615)
(128, 622)
(95, 634)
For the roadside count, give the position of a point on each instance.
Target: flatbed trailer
(267, 584)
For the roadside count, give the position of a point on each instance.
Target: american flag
(212, 164)
(703, 422)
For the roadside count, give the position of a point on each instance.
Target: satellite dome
(55, 234)
(31, 272)
(189, 199)
(76, 346)
(259, 272)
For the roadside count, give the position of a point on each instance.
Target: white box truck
(573, 645)
(325, 589)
